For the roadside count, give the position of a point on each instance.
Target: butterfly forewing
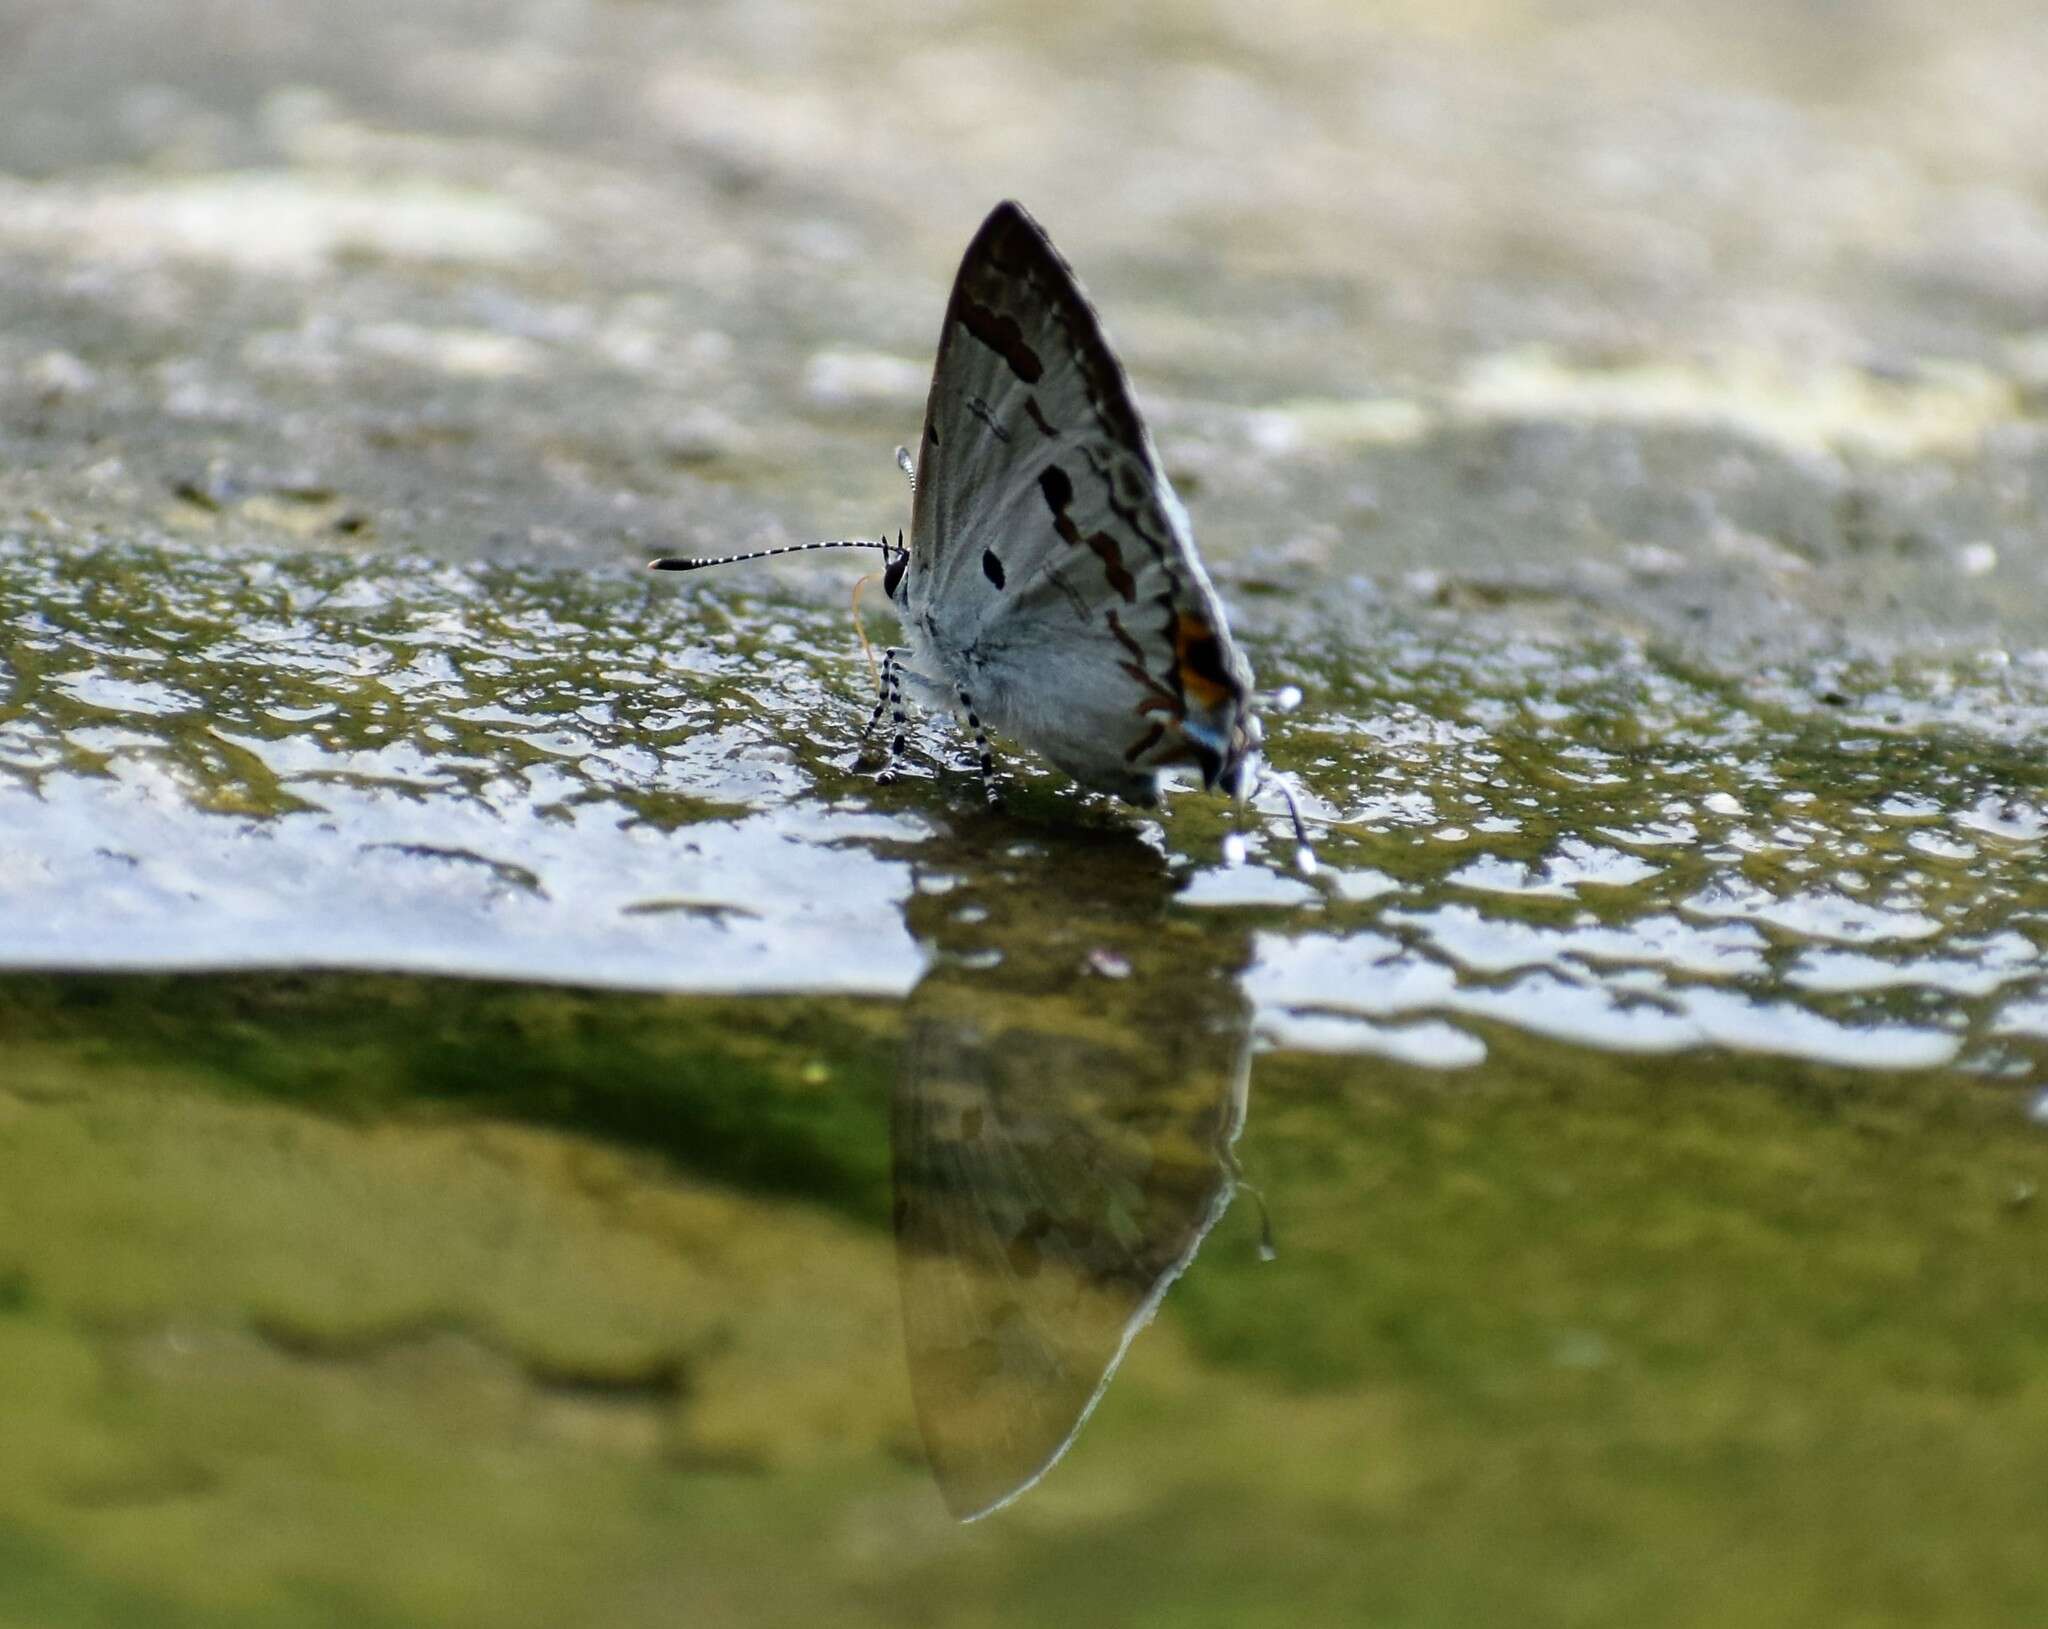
(1051, 573)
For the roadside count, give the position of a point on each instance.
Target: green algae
(693, 1081)
(1643, 1110)
(1532, 1331)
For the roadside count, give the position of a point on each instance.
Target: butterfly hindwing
(1051, 570)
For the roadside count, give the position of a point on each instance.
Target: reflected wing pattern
(1062, 1145)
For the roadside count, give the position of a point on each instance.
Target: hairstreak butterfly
(1051, 590)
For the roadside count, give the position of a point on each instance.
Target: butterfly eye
(892, 574)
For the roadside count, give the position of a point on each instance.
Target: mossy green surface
(372, 1298)
(1654, 1286)
(703, 1083)
(1567, 1340)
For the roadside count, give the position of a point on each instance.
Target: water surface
(1641, 1103)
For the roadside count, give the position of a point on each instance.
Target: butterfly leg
(882, 683)
(892, 694)
(983, 757)
(1304, 850)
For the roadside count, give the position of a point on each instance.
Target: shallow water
(1642, 1103)
(232, 760)
(503, 1120)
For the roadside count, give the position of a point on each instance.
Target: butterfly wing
(1049, 1190)
(1052, 572)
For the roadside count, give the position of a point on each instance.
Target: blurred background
(685, 262)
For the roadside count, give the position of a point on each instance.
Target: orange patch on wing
(1198, 661)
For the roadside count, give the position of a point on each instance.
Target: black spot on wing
(1038, 418)
(991, 567)
(1058, 490)
(1000, 333)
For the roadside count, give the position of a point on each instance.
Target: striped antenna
(682, 562)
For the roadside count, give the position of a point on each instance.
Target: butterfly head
(897, 569)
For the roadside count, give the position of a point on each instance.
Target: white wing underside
(1052, 576)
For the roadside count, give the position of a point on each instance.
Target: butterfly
(1051, 590)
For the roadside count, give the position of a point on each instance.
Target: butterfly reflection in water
(1051, 589)
(1061, 1132)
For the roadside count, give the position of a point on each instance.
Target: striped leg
(882, 683)
(982, 755)
(892, 694)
